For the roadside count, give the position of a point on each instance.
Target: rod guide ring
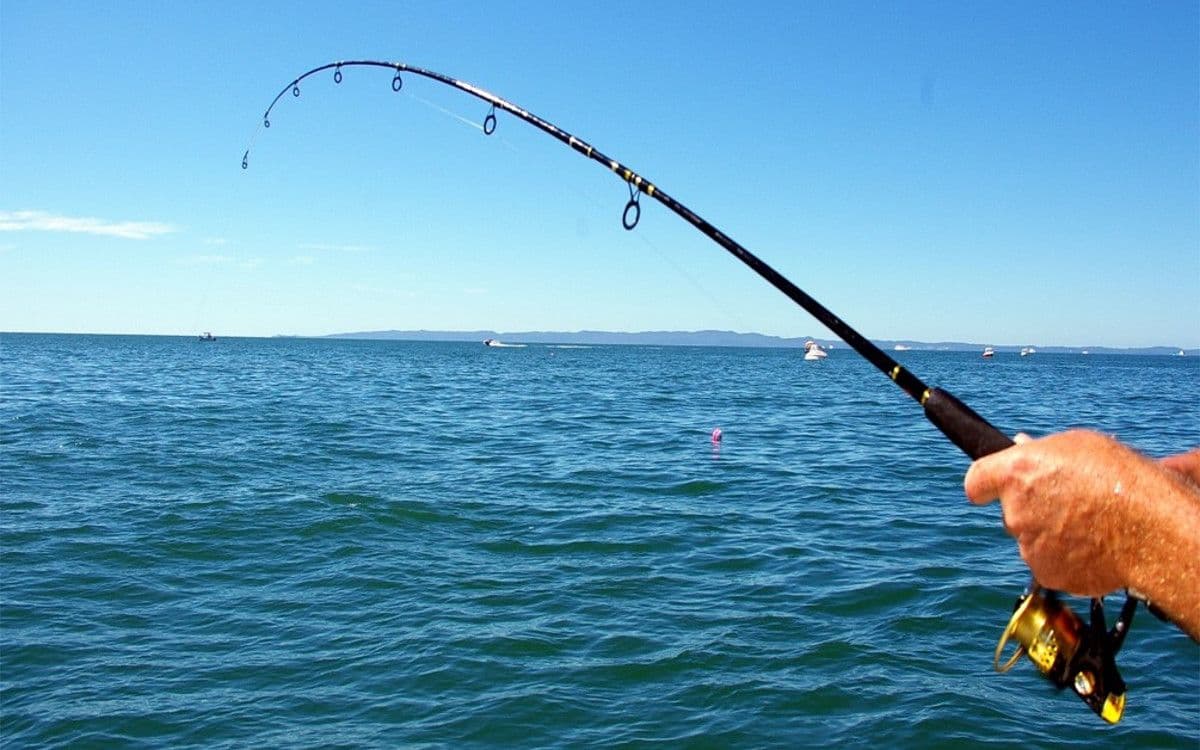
(636, 208)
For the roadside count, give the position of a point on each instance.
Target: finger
(985, 478)
(1027, 548)
(1187, 464)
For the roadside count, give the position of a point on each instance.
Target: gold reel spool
(1059, 644)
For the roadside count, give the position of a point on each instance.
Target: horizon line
(461, 334)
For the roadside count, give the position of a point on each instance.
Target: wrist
(1161, 559)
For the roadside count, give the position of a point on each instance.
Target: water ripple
(379, 544)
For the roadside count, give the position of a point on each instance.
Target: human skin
(1091, 515)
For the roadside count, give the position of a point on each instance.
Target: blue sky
(1008, 173)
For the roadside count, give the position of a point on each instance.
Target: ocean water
(321, 543)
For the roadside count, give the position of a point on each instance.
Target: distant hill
(719, 338)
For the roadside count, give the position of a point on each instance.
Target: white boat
(988, 352)
(501, 344)
(901, 348)
(1180, 353)
(813, 351)
(1027, 351)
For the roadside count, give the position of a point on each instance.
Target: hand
(1091, 515)
(1063, 499)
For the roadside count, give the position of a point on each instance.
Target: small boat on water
(813, 351)
(501, 345)
(1025, 352)
(988, 352)
(206, 336)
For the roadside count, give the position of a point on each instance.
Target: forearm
(1163, 549)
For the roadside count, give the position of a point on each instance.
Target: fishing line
(443, 110)
(449, 113)
(966, 429)
(1061, 646)
(695, 283)
(680, 270)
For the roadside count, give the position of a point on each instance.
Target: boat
(1025, 352)
(1180, 353)
(988, 352)
(500, 344)
(813, 351)
(206, 336)
(901, 347)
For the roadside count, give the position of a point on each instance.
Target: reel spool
(1068, 652)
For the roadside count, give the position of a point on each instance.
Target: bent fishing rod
(1062, 647)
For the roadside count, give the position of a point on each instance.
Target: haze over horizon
(929, 171)
(710, 335)
(703, 338)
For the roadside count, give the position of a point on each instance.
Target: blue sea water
(326, 543)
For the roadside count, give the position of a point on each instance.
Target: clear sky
(1004, 173)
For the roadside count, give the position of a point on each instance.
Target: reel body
(1067, 651)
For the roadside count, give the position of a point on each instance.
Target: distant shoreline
(735, 339)
(669, 338)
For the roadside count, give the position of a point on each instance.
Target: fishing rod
(1056, 640)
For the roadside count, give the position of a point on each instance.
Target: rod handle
(966, 429)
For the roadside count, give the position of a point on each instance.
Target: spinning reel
(1068, 652)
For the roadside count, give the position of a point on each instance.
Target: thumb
(981, 483)
(986, 477)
